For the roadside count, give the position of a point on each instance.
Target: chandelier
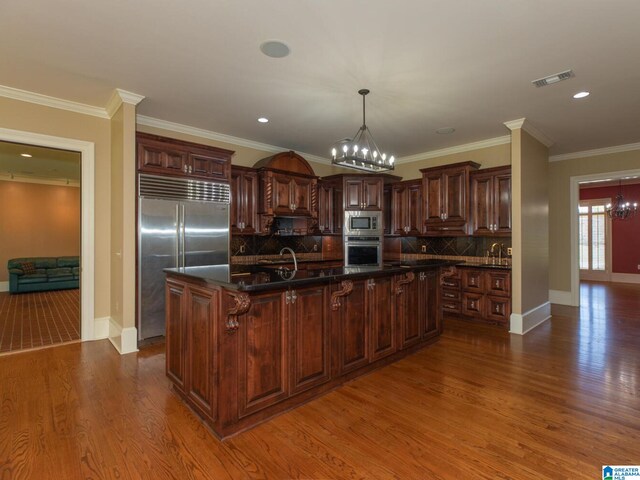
(621, 210)
(361, 153)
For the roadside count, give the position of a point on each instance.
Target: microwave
(363, 223)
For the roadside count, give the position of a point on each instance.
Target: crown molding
(528, 127)
(594, 153)
(118, 97)
(47, 101)
(221, 137)
(467, 147)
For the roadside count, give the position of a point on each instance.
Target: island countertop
(255, 278)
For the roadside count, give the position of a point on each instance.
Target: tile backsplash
(271, 245)
(453, 246)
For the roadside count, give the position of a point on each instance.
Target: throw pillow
(28, 267)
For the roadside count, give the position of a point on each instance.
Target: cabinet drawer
(450, 282)
(473, 280)
(498, 309)
(473, 304)
(450, 306)
(499, 283)
(450, 295)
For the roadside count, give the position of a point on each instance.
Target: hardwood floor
(559, 402)
(38, 319)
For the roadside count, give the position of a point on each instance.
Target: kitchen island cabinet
(243, 350)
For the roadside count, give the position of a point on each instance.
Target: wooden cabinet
(352, 345)
(167, 156)
(244, 200)
(382, 318)
(491, 201)
(262, 359)
(191, 344)
(326, 207)
(363, 193)
(292, 194)
(406, 207)
(417, 307)
(486, 294)
(446, 199)
(450, 291)
(310, 336)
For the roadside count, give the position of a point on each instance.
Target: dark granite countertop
(483, 265)
(257, 278)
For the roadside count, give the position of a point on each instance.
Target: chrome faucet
(492, 252)
(293, 254)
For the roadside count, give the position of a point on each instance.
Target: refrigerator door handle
(182, 245)
(177, 234)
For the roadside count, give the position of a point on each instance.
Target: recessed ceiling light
(275, 49)
(445, 130)
(28, 155)
(263, 120)
(581, 95)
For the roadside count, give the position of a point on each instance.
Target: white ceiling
(44, 165)
(465, 64)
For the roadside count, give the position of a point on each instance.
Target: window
(593, 231)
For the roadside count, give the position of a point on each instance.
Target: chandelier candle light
(362, 153)
(621, 210)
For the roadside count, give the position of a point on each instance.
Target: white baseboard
(521, 324)
(4, 286)
(101, 328)
(125, 340)
(625, 277)
(560, 297)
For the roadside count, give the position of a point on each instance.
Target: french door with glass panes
(594, 230)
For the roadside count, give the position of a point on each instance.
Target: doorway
(87, 154)
(594, 239)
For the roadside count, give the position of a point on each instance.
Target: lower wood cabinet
(237, 358)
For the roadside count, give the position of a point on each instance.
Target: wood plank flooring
(38, 319)
(557, 403)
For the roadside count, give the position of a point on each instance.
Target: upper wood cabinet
(446, 199)
(406, 208)
(330, 209)
(167, 156)
(363, 193)
(491, 201)
(288, 186)
(244, 200)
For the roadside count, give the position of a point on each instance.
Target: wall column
(530, 227)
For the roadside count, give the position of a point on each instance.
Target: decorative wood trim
(347, 288)
(448, 272)
(409, 277)
(242, 304)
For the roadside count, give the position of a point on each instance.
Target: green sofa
(51, 273)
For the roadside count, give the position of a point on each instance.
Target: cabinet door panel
(236, 207)
(372, 193)
(338, 210)
(325, 208)
(176, 328)
(502, 203)
(249, 182)
(498, 309)
(202, 345)
(353, 194)
(428, 283)
(310, 336)
(175, 161)
(473, 304)
(433, 190)
(455, 196)
(381, 312)
(499, 283)
(210, 166)
(473, 280)
(353, 330)
(399, 205)
(262, 359)
(301, 195)
(282, 197)
(414, 209)
(482, 199)
(150, 156)
(409, 319)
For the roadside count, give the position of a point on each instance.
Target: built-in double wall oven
(363, 238)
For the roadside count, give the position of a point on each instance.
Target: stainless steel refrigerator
(181, 223)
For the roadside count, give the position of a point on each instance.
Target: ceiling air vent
(558, 77)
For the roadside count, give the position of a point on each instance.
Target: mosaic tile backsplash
(454, 246)
(271, 245)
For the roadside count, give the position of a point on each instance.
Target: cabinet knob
(497, 308)
(497, 283)
(473, 304)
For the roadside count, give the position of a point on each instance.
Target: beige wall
(28, 117)
(559, 206)
(495, 156)
(530, 238)
(38, 221)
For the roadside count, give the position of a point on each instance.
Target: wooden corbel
(242, 304)
(408, 278)
(347, 288)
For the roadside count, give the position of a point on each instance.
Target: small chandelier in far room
(621, 210)
(362, 153)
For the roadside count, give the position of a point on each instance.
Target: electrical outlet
(423, 248)
(638, 267)
(242, 248)
(509, 252)
(315, 247)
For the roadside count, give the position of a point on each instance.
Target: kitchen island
(246, 343)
